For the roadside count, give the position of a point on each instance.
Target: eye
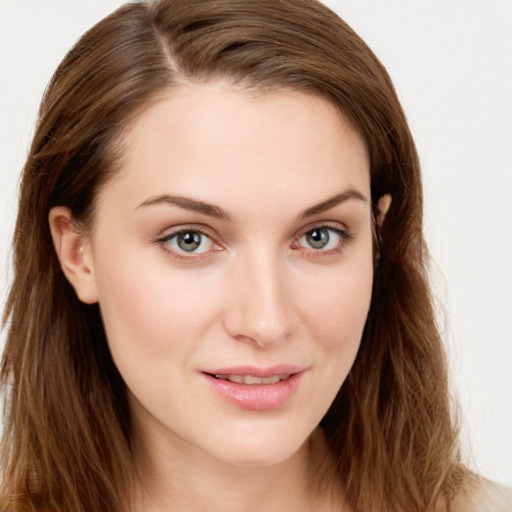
(320, 238)
(189, 241)
(323, 239)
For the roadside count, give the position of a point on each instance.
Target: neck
(183, 481)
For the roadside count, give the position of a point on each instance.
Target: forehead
(225, 144)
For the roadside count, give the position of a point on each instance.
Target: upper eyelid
(334, 225)
(181, 255)
(168, 234)
(173, 231)
(346, 236)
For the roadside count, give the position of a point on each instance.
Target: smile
(256, 388)
(251, 379)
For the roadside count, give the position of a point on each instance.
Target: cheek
(150, 311)
(338, 307)
(336, 314)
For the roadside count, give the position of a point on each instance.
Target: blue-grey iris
(318, 238)
(189, 241)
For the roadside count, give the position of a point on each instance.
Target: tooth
(249, 379)
(239, 379)
(270, 380)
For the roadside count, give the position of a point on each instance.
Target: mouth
(252, 379)
(256, 389)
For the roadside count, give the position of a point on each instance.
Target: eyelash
(182, 255)
(345, 236)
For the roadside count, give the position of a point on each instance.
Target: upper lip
(257, 371)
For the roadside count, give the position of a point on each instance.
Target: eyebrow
(187, 203)
(332, 202)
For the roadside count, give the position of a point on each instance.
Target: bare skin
(236, 240)
(292, 485)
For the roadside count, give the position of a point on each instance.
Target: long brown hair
(67, 442)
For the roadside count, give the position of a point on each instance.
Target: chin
(251, 458)
(257, 448)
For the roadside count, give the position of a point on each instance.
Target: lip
(256, 396)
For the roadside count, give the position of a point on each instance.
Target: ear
(74, 252)
(383, 206)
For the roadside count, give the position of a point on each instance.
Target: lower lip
(257, 397)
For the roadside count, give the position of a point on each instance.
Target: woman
(220, 295)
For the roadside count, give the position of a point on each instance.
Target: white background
(451, 62)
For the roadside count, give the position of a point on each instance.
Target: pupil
(189, 241)
(318, 238)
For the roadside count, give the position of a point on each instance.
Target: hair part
(68, 437)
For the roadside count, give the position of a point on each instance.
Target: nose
(260, 308)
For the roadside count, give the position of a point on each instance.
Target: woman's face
(232, 261)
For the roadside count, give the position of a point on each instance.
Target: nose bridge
(260, 309)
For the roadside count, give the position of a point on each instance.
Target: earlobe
(73, 250)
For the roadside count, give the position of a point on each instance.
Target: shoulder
(484, 496)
